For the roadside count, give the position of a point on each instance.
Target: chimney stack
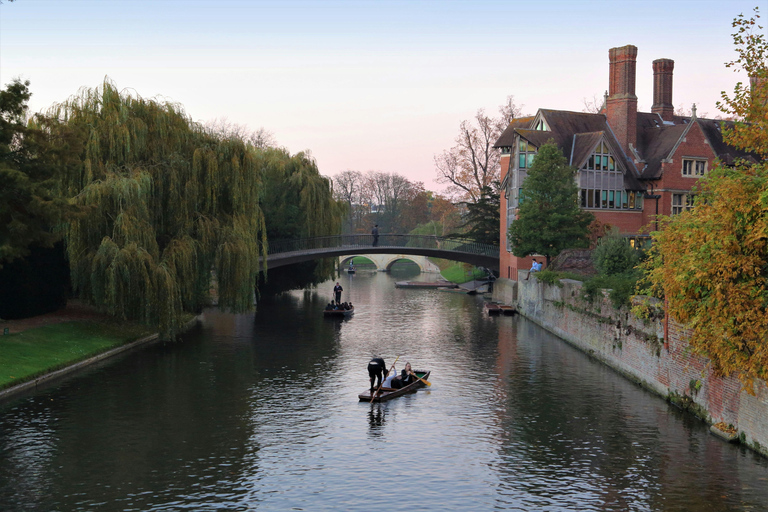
(662, 88)
(621, 106)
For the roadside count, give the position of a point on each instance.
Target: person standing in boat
(337, 291)
(377, 370)
(406, 377)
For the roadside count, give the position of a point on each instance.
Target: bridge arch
(384, 262)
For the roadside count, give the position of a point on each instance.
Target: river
(260, 412)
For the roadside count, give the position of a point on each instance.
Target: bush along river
(260, 412)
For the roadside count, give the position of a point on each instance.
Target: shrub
(614, 255)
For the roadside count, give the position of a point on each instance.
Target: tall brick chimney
(621, 107)
(662, 88)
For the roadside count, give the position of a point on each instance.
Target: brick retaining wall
(638, 349)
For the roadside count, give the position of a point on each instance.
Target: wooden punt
(339, 313)
(492, 309)
(390, 393)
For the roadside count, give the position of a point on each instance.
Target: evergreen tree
(549, 218)
(483, 217)
(32, 158)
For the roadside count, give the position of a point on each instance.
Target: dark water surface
(260, 412)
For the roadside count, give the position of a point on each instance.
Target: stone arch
(392, 259)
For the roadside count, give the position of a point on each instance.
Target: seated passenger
(406, 377)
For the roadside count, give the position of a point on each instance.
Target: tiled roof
(507, 138)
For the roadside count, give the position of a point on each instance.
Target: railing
(390, 241)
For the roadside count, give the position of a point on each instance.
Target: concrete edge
(75, 367)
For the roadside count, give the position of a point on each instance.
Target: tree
(749, 103)
(32, 158)
(482, 219)
(473, 163)
(711, 263)
(549, 218)
(166, 202)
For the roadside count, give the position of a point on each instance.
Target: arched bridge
(287, 252)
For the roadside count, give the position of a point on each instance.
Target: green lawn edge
(35, 352)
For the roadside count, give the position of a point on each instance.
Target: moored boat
(385, 394)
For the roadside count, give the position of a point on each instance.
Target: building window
(542, 126)
(681, 203)
(602, 183)
(525, 154)
(506, 150)
(600, 160)
(694, 168)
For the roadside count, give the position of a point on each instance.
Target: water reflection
(261, 412)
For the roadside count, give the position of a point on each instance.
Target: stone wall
(640, 350)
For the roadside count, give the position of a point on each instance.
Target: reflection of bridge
(287, 252)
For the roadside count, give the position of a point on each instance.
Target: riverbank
(652, 352)
(42, 348)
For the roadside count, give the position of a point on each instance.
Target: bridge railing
(405, 241)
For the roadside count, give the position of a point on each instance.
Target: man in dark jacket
(377, 369)
(337, 291)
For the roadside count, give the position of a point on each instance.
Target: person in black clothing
(377, 369)
(406, 377)
(337, 291)
(375, 233)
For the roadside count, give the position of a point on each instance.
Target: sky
(366, 85)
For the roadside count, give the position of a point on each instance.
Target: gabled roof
(657, 140)
(584, 145)
(576, 134)
(712, 129)
(507, 138)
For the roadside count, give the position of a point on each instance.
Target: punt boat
(390, 393)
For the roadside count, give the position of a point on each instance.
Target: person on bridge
(337, 291)
(377, 370)
(375, 233)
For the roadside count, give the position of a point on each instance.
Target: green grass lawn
(34, 352)
(458, 273)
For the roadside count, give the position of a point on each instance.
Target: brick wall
(638, 350)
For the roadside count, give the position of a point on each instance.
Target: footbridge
(288, 252)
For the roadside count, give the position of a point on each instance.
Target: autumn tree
(749, 102)
(549, 218)
(711, 263)
(473, 163)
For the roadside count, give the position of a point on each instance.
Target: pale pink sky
(365, 85)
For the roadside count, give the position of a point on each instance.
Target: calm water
(260, 412)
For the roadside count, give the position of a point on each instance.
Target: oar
(373, 395)
(422, 380)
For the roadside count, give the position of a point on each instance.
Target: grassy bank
(40, 350)
(458, 272)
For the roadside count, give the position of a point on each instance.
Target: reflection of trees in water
(564, 414)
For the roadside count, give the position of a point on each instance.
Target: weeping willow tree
(298, 203)
(165, 203)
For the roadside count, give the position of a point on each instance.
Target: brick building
(632, 165)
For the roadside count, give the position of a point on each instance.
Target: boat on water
(339, 313)
(385, 394)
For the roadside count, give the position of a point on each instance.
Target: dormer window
(541, 126)
(694, 168)
(526, 153)
(600, 160)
